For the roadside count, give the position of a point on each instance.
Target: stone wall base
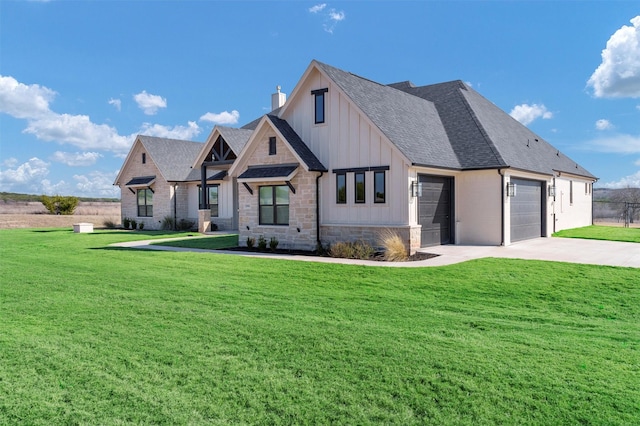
(224, 223)
(331, 234)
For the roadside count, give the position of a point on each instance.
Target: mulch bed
(379, 256)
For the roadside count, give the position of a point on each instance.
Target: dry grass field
(23, 214)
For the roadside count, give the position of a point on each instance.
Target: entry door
(435, 209)
(526, 210)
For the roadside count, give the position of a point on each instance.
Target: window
(359, 187)
(378, 187)
(213, 200)
(341, 188)
(570, 192)
(319, 105)
(145, 203)
(144, 158)
(272, 145)
(274, 205)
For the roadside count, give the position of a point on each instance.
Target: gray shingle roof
(297, 144)
(450, 125)
(235, 138)
(173, 157)
(268, 171)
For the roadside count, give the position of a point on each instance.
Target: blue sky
(80, 79)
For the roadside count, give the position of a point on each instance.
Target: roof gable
(236, 139)
(172, 157)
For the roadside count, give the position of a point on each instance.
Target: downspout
(318, 242)
(175, 206)
(554, 204)
(502, 189)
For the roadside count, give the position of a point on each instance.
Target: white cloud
(96, 184)
(79, 131)
(74, 159)
(619, 73)
(620, 144)
(117, 103)
(317, 8)
(336, 16)
(603, 124)
(631, 181)
(225, 117)
(26, 175)
(187, 132)
(48, 188)
(24, 101)
(527, 114)
(148, 103)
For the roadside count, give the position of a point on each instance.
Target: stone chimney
(278, 99)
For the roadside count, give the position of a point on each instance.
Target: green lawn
(92, 334)
(207, 243)
(595, 232)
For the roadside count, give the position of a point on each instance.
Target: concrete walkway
(571, 250)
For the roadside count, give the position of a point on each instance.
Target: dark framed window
(319, 105)
(274, 205)
(359, 187)
(341, 188)
(570, 192)
(145, 202)
(213, 200)
(144, 158)
(272, 145)
(379, 193)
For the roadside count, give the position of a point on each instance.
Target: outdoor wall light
(416, 189)
(552, 191)
(511, 189)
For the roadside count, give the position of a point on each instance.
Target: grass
(207, 243)
(92, 334)
(609, 233)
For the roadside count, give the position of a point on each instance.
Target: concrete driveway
(571, 250)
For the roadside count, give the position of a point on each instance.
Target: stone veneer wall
(300, 234)
(331, 234)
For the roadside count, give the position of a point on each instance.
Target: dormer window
(319, 104)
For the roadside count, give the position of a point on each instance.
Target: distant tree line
(13, 196)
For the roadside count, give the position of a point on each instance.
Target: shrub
(352, 250)
(167, 224)
(273, 243)
(214, 227)
(251, 242)
(134, 224)
(141, 226)
(59, 204)
(109, 224)
(126, 222)
(394, 248)
(185, 225)
(262, 243)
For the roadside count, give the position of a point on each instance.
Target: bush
(126, 222)
(273, 243)
(262, 243)
(214, 227)
(394, 248)
(141, 226)
(109, 224)
(251, 242)
(185, 225)
(167, 224)
(134, 224)
(352, 250)
(59, 204)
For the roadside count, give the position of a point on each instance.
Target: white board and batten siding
(347, 139)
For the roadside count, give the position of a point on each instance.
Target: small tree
(630, 196)
(59, 204)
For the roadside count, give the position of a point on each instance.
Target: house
(345, 158)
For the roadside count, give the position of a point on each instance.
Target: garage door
(435, 210)
(526, 210)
